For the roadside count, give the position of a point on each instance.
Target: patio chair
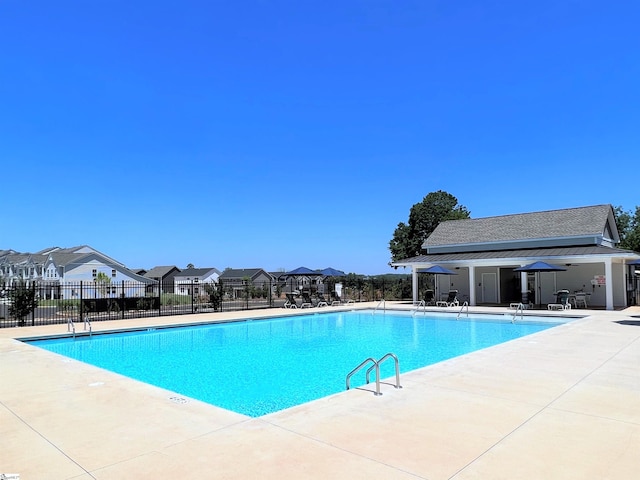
(581, 300)
(291, 301)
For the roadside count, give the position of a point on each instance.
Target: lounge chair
(306, 301)
(291, 301)
(322, 301)
(451, 301)
(562, 297)
(429, 297)
(336, 300)
(562, 301)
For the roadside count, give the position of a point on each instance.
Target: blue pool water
(259, 367)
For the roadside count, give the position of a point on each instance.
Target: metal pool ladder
(376, 367)
(87, 322)
(384, 306)
(464, 305)
(519, 308)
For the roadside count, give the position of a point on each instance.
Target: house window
(94, 272)
(113, 272)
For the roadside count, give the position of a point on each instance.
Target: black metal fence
(44, 303)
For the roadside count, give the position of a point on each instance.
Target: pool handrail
(359, 367)
(384, 306)
(422, 304)
(397, 365)
(71, 326)
(465, 304)
(515, 314)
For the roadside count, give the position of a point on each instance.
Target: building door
(489, 288)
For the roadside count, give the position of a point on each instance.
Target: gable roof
(240, 273)
(161, 271)
(593, 225)
(197, 272)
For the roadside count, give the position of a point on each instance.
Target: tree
(629, 228)
(424, 217)
(23, 301)
(103, 284)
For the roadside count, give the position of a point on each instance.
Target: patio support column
(472, 285)
(414, 283)
(608, 285)
(524, 288)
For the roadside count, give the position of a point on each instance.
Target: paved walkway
(560, 404)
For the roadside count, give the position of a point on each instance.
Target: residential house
(190, 281)
(235, 280)
(485, 251)
(55, 268)
(165, 276)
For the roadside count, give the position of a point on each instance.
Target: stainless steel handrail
(71, 327)
(515, 314)
(465, 304)
(384, 306)
(397, 362)
(359, 367)
(422, 304)
(87, 322)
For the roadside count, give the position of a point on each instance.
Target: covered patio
(485, 252)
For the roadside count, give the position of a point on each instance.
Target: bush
(23, 302)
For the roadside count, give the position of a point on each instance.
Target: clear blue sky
(280, 134)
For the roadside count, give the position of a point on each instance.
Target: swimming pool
(262, 366)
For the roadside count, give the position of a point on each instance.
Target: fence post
(192, 305)
(81, 309)
(33, 312)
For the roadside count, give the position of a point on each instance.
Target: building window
(94, 272)
(113, 272)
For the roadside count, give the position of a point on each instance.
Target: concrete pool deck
(563, 403)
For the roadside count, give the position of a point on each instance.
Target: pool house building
(484, 252)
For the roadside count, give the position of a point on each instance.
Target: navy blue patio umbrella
(332, 272)
(437, 270)
(537, 267)
(301, 271)
(634, 262)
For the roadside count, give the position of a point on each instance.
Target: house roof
(197, 272)
(162, 271)
(593, 225)
(239, 273)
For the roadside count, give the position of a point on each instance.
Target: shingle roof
(161, 271)
(232, 273)
(571, 222)
(196, 272)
